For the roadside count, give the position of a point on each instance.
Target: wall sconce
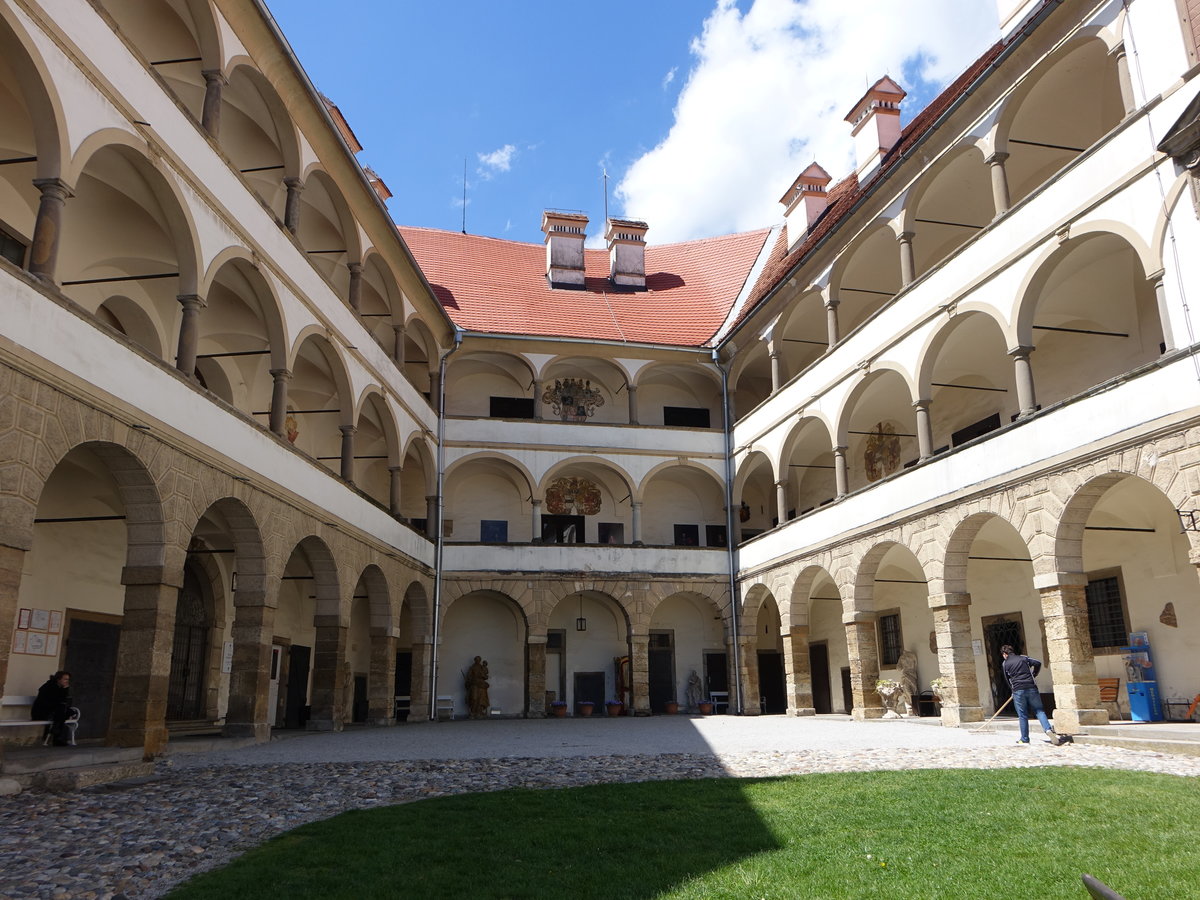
(581, 622)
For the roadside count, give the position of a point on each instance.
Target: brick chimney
(804, 202)
(875, 123)
(565, 234)
(627, 252)
(1013, 13)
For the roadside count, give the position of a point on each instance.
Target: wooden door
(772, 683)
(296, 709)
(91, 658)
(590, 686)
(818, 663)
(662, 670)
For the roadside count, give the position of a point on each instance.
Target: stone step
(1153, 745)
(32, 760)
(74, 779)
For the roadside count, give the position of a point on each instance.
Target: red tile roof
(488, 284)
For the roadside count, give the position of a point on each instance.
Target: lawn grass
(927, 834)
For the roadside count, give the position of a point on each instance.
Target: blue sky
(701, 112)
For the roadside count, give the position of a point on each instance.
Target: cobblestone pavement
(138, 839)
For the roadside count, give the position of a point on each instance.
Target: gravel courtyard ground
(199, 811)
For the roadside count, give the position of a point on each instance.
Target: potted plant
(889, 690)
(937, 686)
(559, 708)
(586, 707)
(614, 707)
(671, 707)
(705, 707)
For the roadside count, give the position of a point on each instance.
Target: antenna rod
(605, 171)
(464, 224)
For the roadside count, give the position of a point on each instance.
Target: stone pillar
(535, 667)
(633, 404)
(781, 500)
(924, 429)
(1000, 197)
(731, 394)
(1023, 370)
(956, 660)
(12, 562)
(831, 322)
(798, 672)
(748, 658)
(398, 346)
(776, 367)
(840, 474)
(189, 333)
(381, 679)
(908, 264)
(279, 400)
(249, 713)
(1069, 648)
(210, 118)
(431, 516)
(1127, 100)
(47, 229)
(348, 432)
(354, 293)
(328, 675)
(537, 399)
(636, 524)
(394, 507)
(863, 648)
(421, 654)
(535, 523)
(139, 706)
(435, 388)
(639, 673)
(1164, 314)
(291, 209)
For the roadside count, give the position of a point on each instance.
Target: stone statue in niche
(882, 454)
(476, 679)
(906, 667)
(695, 691)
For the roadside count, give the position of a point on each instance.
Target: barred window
(891, 645)
(1106, 613)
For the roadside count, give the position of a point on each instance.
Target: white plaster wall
(491, 628)
(825, 624)
(595, 649)
(697, 627)
(474, 494)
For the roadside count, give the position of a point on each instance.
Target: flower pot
(559, 711)
(705, 708)
(585, 709)
(615, 709)
(671, 707)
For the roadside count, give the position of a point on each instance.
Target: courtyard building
(270, 461)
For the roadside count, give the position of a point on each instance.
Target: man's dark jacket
(1020, 672)
(52, 699)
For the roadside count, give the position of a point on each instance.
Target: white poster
(227, 657)
(35, 643)
(40, 620)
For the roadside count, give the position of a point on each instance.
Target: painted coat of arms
(572, 496)
(882, 454)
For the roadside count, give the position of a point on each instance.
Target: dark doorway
(818, 663)
(295, 713)
(190, 650)
(847, 691)
(358, 712)
(562, 529)
(403, 682)
(716, 675)
(662, 670)
(772, 683)
(589, 686)
(91, 658)
(998, 631)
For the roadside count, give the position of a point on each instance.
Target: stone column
(840, 474)
(776, 367)
(435, 388)
(636, 523)
(139, 706)
(956, 660)
(798, 672)
(279, 400)
(394, 507)
(398, 345)
(633, 404)
(924, 429)
(249, 713)
(1026, 396)
(381, 679)
(47, 229)
(354, 293)
(748, 658)
(908, 264)
(535, 522)
(328, 675)
(863, 648)
(1127, 100)
(1069, 648)
(831, 322)
(291, 209)
(12, 563)
(781, 500)
(1164, 314)
(421, 654)
(639, 673)
(189, 333)
(535, 667)
(1000, 197)
(537, 399)
(732, 399)
(210, 118)
(348, 432)
(431, 516)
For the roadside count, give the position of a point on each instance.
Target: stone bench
(19, 731)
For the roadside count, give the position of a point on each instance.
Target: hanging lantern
(581, 622)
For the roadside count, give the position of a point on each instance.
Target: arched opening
(317, 402)
(880, 429)
(754, 492)
(771, 689)
(817, 603)
(952, 203)
(899, 600)
(375, 449)
(588, 664)
(972, 385)
(380, 303)
(866, 277)
(582, 389)
(586, 501)
(804, 336)
(487, 384)
(672, 395)
(687, 639)
(416, 484)
(683, 506)
(327, 232)
(193, 650)
(1092, 315)
(420, 358)
(487, 500)
(258, 137)
(752, 384)
(308, 685)
(491, 626)
(809, 468)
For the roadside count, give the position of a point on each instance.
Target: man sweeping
(1021, 670)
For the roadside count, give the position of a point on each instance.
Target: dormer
(875, 124)
(565, 233)
(626, 240)
(804, 202)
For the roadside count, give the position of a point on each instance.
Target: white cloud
(767, 94)
(669, 77)
(499, 160)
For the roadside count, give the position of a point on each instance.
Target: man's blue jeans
(1026, 700)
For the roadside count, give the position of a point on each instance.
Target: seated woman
(54, 703)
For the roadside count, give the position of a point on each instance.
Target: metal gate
(998, 631)
(189, 653)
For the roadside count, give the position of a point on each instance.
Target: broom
(987, 726)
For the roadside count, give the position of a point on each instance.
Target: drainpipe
(439, 540)
(735, 610)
